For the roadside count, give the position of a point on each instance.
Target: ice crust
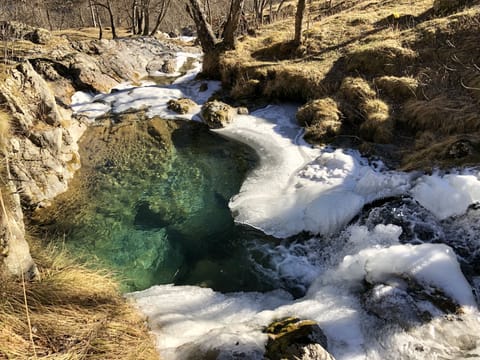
(298, 188)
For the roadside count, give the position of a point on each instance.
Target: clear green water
(152, 205)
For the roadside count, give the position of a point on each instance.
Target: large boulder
(217, 114)
(12, 30)
(292, 338)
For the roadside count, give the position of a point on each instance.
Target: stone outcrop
(12, 30)
(217, 114)
(292, 338)
(42, 151)
(407, 303)
(14, 249)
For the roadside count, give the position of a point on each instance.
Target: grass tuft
(75, 312)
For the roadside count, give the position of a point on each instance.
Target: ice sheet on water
(298, 188)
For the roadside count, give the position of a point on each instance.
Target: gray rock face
(14, 249)
(44, 151)
(217, 114)
(16, 30)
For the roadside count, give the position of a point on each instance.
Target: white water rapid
(358, 263)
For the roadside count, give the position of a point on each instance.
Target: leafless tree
(211, 45)
(107, 5)
(299, 22)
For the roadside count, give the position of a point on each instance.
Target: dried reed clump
(353, 92)
(294, 83)
(321, 119)
(397, 88)
(442, 115)
(75, 313)
(433, 152)
(471, 81)
(356, 90)
(378, 125)
(386, 58)
(245, 88)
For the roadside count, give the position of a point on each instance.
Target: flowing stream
(386, 262)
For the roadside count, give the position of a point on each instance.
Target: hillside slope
(400, 79)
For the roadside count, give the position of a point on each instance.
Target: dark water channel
(151, 203)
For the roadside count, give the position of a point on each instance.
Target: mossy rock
(217, 114)
(181, 106)
(292, 338)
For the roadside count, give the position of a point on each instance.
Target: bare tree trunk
(92, 11)
(280, 5)
(270, 17)
(112, 19)
(49, 20)
(162, 12)
(146, 22)
(299, 22)
(134, 17)
(99, 21)
(231, 26)
(209, 11)
(204, 30)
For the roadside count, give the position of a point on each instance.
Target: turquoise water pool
(151, 204)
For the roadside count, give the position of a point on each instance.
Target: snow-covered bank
(148, 95)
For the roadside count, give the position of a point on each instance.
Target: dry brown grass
(378, 124)
(75, 313)
(321, 119)
(397, 88)
(442, 115)
(383, 58)
(424, 64)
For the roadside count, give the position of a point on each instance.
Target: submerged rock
(217, 114)
(292, 338)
